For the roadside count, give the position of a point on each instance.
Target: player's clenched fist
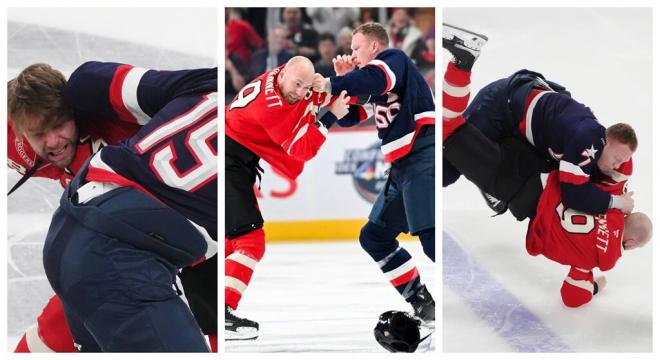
(339, 107)
(319, 83)
(343, 64)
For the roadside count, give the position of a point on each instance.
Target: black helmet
(397, 331)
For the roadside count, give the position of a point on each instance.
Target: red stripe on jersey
(567, 177)
(116, 98)
(522, 126)
(388, 87)
(405, 278)
(96, 174)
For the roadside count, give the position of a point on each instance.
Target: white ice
(507, 300)
(322, 297)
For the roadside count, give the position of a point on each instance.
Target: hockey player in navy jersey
(525, 111)
(406, 127)
(47, 140)
(124, 228)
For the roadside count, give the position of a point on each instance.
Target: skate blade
(241, 333)
(454, 30)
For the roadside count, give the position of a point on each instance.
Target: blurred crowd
(258, 39)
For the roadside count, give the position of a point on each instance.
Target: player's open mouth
(58, 153)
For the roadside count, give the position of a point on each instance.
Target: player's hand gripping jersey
(580, 240)
(174, 155)
(282, 134)
(398, 122)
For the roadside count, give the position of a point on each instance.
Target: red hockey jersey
(580, 240)
(282, 134)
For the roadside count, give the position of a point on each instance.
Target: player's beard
(291, 99)
(63, 155)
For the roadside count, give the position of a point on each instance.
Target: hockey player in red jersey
(583, 241)
(50, 142)
(273, 118)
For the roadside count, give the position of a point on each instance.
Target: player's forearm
(585, 197)
(367, 81)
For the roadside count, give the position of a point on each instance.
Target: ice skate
(237, 328)
(464, 45)
(423, 305)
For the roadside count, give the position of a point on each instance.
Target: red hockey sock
(239, 265)
(213, 341)
(22, 346)
(455, 98)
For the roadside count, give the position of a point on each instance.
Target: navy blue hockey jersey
(567, 133)
(398, 122)
(174, 156)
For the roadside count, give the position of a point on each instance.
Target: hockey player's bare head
(637, 231)
(295, 79)
(368, 41)
(37, 108)
(620, 144)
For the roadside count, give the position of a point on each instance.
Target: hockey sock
(239, 266)
(22, 346)
(394, 261)
(455, 97)
(213, 341)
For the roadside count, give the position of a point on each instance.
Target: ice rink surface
(31, 207)
(322, 297)
(496, 297)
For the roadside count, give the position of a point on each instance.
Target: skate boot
(497, 205)
(423, 305)
(464, 45)
(237, 328)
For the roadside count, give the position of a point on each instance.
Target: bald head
(295, 79)
(299, 64)
(637, 231)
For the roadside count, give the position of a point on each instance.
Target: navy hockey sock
(394, 261)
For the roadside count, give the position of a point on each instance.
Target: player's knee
(252, 244)
(368, 236)
(376, 239)
(427, 238)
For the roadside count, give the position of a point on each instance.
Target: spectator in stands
(344, 41)
(236, 73)
(327, 51)
(303, 38)
(274, 55)
(331, 20)
(403, 33)
(424, 52)
(242, 39)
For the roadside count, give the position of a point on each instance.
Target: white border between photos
(220, 4)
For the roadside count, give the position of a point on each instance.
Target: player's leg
(378, 238)
(200, 286)
(245, 239)
(116, 281)
(414, 176)
(51, 332)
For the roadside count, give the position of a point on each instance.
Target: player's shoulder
(393, 55)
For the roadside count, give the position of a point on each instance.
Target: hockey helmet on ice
(397, 331)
